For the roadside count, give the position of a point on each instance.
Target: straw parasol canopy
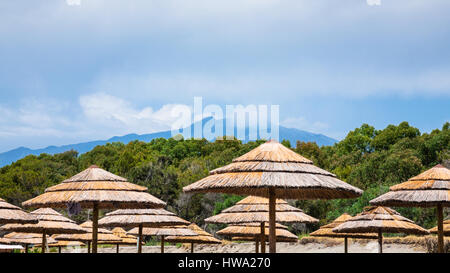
(27, 239)
(446, 228)
(252, 239)
(61, 244)
(141, 218)
(125, 237)
(10, 214)
(253, 230)
(428, 189)
(164, 231)
(97, 189)
(327, 231)
(273, 170)
(202, 237)
(380, 220)
(104, 236)
(255, 209)
(50, 222)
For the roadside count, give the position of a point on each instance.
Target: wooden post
(345, 244)
(89, 247)
(272, 234)
(192, 247)
(59, 249)
(380, 241)
(140, 239)
(117, 248)
(94, 228)
(256, 244)
(44, 241)
(26, 248)
(263, 237)
(162, 244)
(440, 226)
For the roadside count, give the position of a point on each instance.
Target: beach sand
(371, 247)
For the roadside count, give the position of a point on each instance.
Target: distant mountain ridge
(290, 134)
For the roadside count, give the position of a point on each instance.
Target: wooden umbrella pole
(380, 241)
(440, 226)
(346, 244)
(26, 248)
(89, 247)
(192, 247)
(256, 245)
(263, 238)
(44, 240)
(117, 248)
(162, 244)
(59, 249)
(140, 239)
(272, 238)
(94, 228)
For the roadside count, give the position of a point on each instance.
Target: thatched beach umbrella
(274, 171)
(446, 228)
(125, 237)
(104, 236)
(27, 239)
(141, 218)
(97, 189)
(163, 232)
(254, 209)
(50, 222)
(66, 244)
(10, 214)
(253, 230)
(202, 237)
(380, 220)
(327, 231)
(428, 189)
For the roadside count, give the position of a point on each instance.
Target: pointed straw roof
(126, 237)
(10, 214)
(427, 189)
(96, 186)
(327, 230)
(27, 238)
(144, 217)
(253, 209)
(380, 219)
(104, 235)
(254, 230)
(165, 231)
(252, 239)
(202, 237)
(66, 244)
(272, 165)
(446, 228)
(50, 221)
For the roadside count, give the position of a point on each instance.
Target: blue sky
(71, 73)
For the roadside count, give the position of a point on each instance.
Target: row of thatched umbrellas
(270, 170)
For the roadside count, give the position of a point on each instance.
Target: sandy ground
(371, 247)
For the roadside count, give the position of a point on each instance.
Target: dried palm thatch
(446, 228)
(254, 230)
(380, 220)
(253, 209)
(49, 221)
(272, 165)
(202, 237)
(10, 214)
(126, 237)
(27, 238)
(165, 231)
(327, 231)
(428, 189)
(96, 186)
(272, 170)
(143, 217)
(253, 239)
(97, 189)
(104, 235)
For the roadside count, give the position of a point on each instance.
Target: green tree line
(367, 158)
